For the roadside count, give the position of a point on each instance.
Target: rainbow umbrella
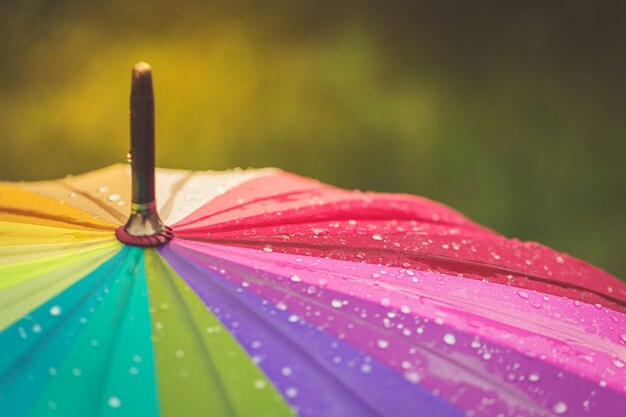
(276, 295)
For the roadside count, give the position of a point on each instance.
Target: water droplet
(382, 343)
(377, 237)
(449, 339)
(366, 368)
(286, 371)
(291, 392)
(55, 311)
(361, 231)
(114, 402)
(623, 337)
(133, 370)
(72, 195)
(137, 359)
(129, 157)
(559, 407)
(36, 328)
(385, 302)
(319, 231)
(114, 197)
(412, 377)
(295, 278)
(618, 363)
(267, 248)
(336, 303)
(533, 377)
(76, 372)
(475, 344)
(260, 384)
(179, 354)
(523, 294)
(559, 259)
(281, 306)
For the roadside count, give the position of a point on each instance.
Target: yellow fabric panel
(21, 206)
(17, 234)
(105, 193)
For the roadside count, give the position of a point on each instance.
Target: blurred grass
(512, 113)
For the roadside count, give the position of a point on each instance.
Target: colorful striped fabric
(283, 296)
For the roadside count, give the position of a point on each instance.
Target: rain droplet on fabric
(560, 407)
(55, 311)
(382, 343)
(295, 278)
(449, 339)
(291, 392)
(114, 402)
(114, 197)
(377, 236)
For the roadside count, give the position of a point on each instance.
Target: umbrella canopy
(269, 294)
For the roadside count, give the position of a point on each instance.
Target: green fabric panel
(15, 273)
(109, 369)
(200, 373)
(23, 289)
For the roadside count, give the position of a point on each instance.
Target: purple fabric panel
(317, 374)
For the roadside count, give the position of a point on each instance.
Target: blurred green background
(512, 112)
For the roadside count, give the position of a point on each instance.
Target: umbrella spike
(144, 227)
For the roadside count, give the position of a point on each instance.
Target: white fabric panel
(179, 193)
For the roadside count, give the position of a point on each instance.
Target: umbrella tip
(140, 69)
